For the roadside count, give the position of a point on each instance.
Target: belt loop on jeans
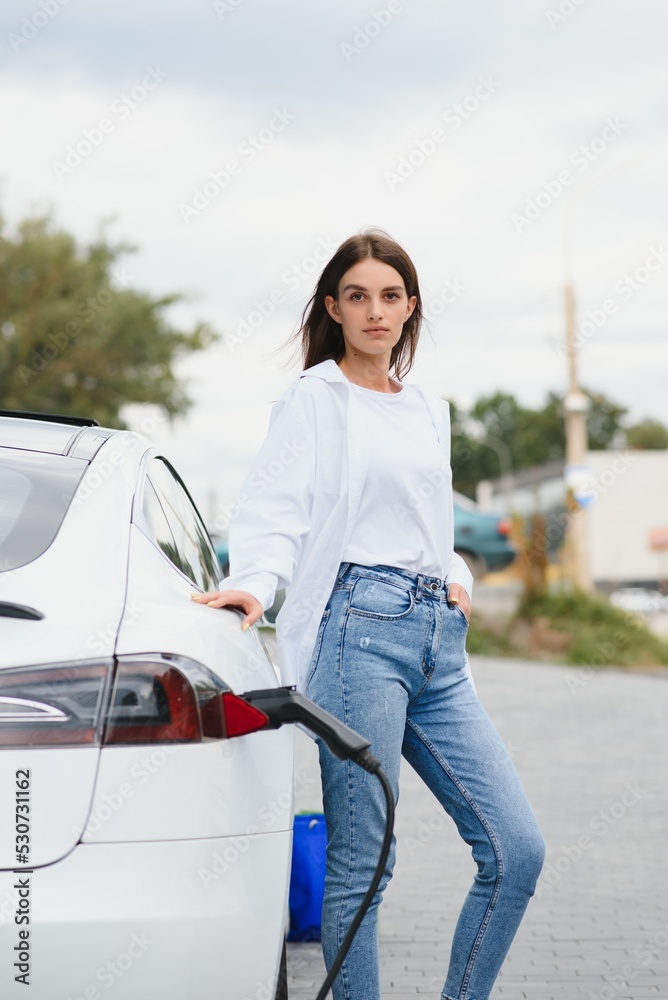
(418, 587)
(343, 569)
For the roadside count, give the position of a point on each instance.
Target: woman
(349, 506)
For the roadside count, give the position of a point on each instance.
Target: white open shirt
(297, 506)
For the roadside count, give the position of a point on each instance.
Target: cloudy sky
(236, 143)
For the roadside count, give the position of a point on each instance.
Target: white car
(639, 600)
(143, 852)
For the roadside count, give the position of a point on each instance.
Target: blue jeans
(390, 661)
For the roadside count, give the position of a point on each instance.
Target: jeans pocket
(318, 643)
(379, 599)
(461, 614)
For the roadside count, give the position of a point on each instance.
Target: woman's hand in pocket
(457, 595)
(235, 599)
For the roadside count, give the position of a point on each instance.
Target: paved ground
(592, 750)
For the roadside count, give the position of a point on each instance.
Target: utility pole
(575, 409)
(575, 405)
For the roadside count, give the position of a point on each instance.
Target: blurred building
(624, 494)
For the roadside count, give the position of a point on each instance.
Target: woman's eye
(355, 296)
(393, 295)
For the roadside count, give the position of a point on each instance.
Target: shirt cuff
(461, 574)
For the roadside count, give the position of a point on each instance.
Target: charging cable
(285, 705)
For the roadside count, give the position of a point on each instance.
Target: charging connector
(285, 705)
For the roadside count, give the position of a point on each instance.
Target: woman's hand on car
(236, 599)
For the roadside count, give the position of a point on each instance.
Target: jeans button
(434, 586)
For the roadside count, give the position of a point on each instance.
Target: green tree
(75, 338)
(471, 461)
(531, 436)
(604, 421)
(650, 434)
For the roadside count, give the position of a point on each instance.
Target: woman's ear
(332, 307)
(412, 302)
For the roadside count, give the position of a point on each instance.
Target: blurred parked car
(223, 554)
(639, 600)
(481, 538)
(157, 848)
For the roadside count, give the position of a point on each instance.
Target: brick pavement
(592, 752)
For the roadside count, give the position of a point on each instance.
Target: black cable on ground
(369, 763)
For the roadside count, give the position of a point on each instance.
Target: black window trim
(139, 519)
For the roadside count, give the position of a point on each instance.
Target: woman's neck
(369, 376)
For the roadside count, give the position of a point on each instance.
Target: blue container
(307, 880)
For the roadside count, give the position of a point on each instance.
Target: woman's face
(372, 306)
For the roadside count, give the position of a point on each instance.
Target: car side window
(155, 518)
(188, 545)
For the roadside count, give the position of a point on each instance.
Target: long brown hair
(321, 336)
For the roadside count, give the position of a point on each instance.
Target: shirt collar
(327, 370)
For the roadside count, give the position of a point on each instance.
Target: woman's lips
(376, 330)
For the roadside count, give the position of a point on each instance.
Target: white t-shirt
(404, 516)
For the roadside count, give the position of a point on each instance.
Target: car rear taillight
(56, 705)
(503, 527)
(156, 698)
(152, 703)
(166, 699)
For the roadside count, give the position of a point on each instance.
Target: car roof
(52, 434)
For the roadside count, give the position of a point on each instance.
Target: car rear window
(35, 492)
